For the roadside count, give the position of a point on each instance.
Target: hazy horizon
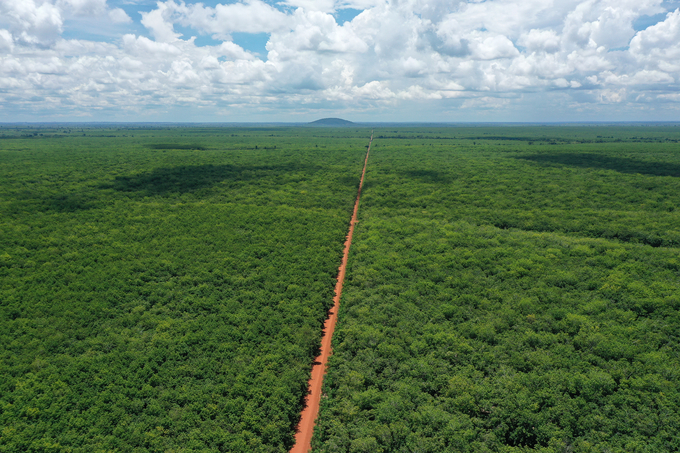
(358, 123)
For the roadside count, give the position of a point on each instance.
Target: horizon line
(351, 123)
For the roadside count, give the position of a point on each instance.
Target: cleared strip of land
(303, 437)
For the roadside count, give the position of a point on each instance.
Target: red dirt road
(305, 429)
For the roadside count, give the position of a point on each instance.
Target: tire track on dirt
(305, 429)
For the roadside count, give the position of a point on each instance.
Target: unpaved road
(303, 436)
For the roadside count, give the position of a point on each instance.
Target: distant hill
(330, 122)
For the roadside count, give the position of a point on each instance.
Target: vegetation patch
(175, 146)
(512, 293)
(511, 297)
(165, 301)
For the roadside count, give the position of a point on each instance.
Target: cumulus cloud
(478, 55)
(251, 16)
(540, 40)
(486, 46)
(659, 45)
(118, 16)
(31, 22)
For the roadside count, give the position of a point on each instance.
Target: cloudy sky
(363, 60)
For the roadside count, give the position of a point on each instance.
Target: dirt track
(305, 429)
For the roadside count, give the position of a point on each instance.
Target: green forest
(165, 289)
(509, 289)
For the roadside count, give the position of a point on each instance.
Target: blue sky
(363, 60)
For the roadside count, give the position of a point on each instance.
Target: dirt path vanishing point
(305, 429)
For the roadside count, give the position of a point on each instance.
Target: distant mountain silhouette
(330, 122)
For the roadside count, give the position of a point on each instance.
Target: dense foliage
(164, 289)
(511, 290)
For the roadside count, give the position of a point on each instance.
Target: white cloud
(314, 32)
(643, 77)
(145, 47)
(416, 92)
(32, 23)
(485, 46)
(660, 43)
(159, 24)
(413, 67)
(612, 96)
(233, 52)
(252, 16)
(6, 41)
(673, 97)
(480, 55)
(118, 16)
(486, 102)
(374, 90)
(540, 41)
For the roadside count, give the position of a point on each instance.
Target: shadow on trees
(190, 178)
(69, 203)
(620, 164)
(349, 180)
(29, 201)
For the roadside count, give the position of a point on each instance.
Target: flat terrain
(508, 289)
(165, 289)
(305, 429)
(511, 290)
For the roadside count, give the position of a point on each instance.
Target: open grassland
(164, 289)
(511, 290)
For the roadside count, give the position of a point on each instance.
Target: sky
(361, 60)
